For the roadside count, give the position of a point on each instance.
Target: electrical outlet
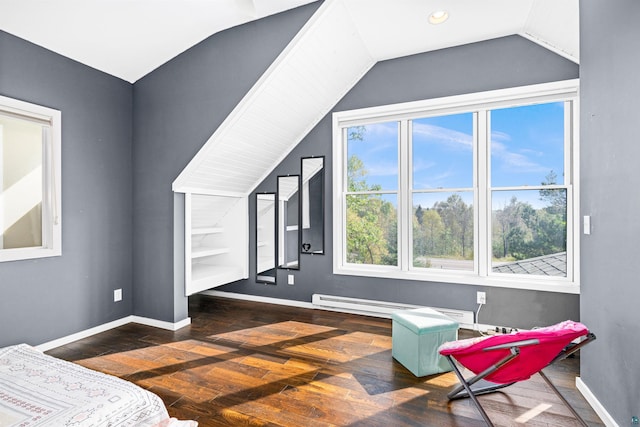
(290, 279)
(117, 295)
(481, 297)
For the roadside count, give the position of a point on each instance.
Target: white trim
(604, 415)
(404, 198)
(52, 178)
(209, 192)
(549, 46)
(188, 227)
(170, 326)
(482, 195)
(544, 284)
(256, 298)
(112, 325)
(466, 102)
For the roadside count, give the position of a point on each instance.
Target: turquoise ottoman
(416, 336)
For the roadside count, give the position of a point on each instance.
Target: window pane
(372, 157)
(527, 145)
(529, 232)
(443, 152)
(372, 229)
(443, 230)
(20, 183)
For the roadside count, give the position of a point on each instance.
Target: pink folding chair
(502, 360)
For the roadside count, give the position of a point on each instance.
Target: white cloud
(512, 161)
(451, 138)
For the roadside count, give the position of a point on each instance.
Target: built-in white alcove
(216, 241)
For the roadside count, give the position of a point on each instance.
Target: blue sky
(526, 144)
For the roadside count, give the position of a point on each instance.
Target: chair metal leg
(566, 403)
(456, 392)
(467, 387)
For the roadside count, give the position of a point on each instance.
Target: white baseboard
(255, 298)
(111, 325)
(161, 323)
(604, 415)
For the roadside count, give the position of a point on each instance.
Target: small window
(30, 223)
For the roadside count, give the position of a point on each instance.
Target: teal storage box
(416, 335)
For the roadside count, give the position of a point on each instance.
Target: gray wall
(500, 63)
(45, 299)
(179, 106)
(610, 149)
(176, 109)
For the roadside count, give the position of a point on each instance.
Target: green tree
(556, 198)
(371, 221)
(510, 227)
(419, 213)
(366, 240)
(427, 235)
(457, 218)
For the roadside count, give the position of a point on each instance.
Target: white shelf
(201, 252)
(216, 241)
(206, 230)
(209, 276)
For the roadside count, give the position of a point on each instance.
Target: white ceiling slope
(319, 66)
(342, 41)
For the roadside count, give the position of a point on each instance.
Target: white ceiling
(130, 38)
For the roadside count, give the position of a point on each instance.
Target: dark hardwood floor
(244, 363)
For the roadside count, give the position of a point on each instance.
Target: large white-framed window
(476, 189)
(30, 184)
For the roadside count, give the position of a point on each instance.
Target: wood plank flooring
(251, 364)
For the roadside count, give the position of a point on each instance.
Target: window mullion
(482, 196)
(405, 209)
(340, 161)
(573, 230)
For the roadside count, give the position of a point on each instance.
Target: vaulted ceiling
(337, 46)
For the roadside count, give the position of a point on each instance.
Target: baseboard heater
(383, 308)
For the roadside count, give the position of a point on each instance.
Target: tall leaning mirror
(288, 196)
(312, 205)
(266, 238)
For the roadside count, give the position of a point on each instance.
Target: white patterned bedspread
(40, 390)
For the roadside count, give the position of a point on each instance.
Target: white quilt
(41, 390)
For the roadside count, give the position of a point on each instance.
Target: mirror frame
(267, 278)
(306, 196)
(282, 245)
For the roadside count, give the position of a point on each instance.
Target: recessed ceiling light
(438, 17)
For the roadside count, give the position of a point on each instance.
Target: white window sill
(511, 281)
(27, 253)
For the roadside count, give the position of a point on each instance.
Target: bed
(40, 390)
